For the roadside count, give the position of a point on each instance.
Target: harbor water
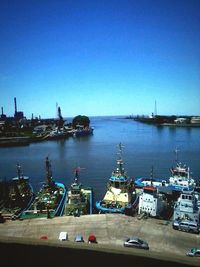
(145, 146)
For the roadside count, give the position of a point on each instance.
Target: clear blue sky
(100, 57)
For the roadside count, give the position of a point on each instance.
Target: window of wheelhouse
(117, 184)
(75, 192)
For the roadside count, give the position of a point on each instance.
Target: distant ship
(50, 199)
(79, 199)
(82, 131)
(16, 195)
(120, 192)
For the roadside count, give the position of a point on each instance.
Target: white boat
(151, 202)
(195, 120)
(180, 177)
(187, 207)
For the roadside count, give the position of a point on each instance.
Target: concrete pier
(110, 230)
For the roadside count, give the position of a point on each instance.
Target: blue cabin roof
(118, 178)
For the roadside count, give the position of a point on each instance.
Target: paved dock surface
(111, 230)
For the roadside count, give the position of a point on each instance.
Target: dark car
(136, 243)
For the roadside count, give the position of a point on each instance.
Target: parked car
(136, 243)
(175, 225)
(186, 226)
(79, 238)
(92, 239)
(193, 252)
(63, 236)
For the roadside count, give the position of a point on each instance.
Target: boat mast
(188, 173)
(120, 160)
(155, 111)
(176, 152)
(77, 173)
(48, 171)
(19, 172)
(76, 178)
(151, 176)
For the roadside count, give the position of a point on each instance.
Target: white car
(63, 236)
(136, 243)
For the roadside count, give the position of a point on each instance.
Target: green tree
(81, 120)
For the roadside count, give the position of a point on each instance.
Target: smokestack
(15, 105)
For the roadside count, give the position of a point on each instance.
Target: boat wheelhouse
(151, 202)
(50, 199)
(187, 207)
(16, 195)
(180, 178)
(79, 199)
(120, 190)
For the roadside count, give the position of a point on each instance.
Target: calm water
(144, 146)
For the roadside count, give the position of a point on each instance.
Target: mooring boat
(82, 131)
(187, 207)
(79, 199)
(151, 181)
(16, 195)
(180, 178)
(151, 202)
(49, 201)
(120, 192)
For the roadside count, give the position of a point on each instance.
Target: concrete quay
(111, 230)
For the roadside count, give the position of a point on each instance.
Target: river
(144, 146)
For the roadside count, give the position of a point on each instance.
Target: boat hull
(84, 132)
(141, 182)
(102, 209)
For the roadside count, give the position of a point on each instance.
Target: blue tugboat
(180, 179)
(49, 201)
(120, 193)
